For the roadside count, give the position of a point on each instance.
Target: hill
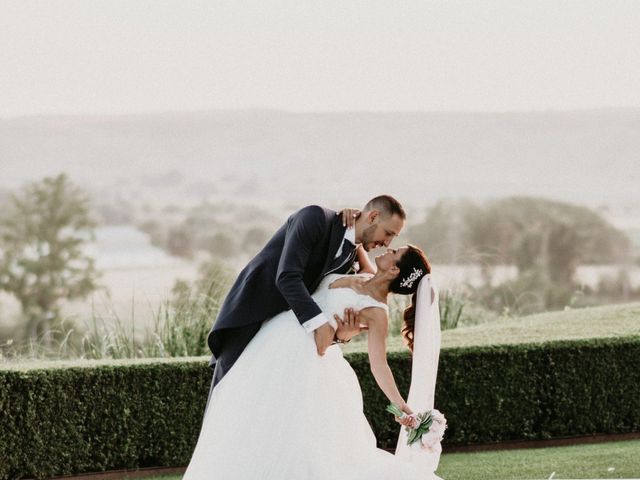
(584, 156)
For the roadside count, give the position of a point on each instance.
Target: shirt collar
(350, 235)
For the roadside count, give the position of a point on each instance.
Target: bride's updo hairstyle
(413, 266)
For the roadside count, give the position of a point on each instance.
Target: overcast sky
(123, 56)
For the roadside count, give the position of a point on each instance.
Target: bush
(107, 415)
(137, 413)
(522, 392)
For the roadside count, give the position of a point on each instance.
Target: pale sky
(129, 56)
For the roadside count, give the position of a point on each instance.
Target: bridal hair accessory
(428, 427)
(415, 275)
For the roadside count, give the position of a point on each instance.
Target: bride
(284, 412)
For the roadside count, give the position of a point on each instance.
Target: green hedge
(83, 419)
(128, 414)
(523, 392)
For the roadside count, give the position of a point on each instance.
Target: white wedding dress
(284, 412)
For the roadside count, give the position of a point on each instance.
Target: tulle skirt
(283, 412)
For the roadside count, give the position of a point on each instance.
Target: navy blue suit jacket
(283, 275)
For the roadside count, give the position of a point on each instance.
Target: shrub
(106, 415)
(522, 392)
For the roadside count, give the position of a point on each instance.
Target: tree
(180, 242)
(556, 236)
(219, 245)
(545, 239)
(444, 232)
(528, 232)
(42, 235)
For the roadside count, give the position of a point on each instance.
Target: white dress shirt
(321, 318)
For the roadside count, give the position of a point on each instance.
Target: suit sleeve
(305, 229)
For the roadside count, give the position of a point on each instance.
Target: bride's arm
(378, 322)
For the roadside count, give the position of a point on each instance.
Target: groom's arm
(304, 230)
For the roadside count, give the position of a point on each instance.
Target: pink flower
(430, 438)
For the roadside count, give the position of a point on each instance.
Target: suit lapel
(345, 259)
(335, 240)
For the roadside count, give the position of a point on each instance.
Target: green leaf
(413, 437)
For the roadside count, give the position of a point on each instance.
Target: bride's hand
(349, 216)
(349, 326)
(408, 420)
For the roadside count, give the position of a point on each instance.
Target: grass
(601, 460)
(593, 322)
(180, 329)
(604, 460)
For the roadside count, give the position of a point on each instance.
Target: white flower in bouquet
(439, 422)
(429, 439)
(435, 434)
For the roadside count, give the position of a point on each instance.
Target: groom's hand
(323, 336)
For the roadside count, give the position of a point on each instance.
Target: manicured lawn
(602, 460)
(595, 322)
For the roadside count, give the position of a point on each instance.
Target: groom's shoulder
(316, 213)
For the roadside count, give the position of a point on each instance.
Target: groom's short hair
(387, 205)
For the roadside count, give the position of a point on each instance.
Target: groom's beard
(367, 237)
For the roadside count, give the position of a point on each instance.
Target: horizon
(602, 109)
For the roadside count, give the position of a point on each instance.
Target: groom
(313, 243)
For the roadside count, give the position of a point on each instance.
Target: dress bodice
(335, 300)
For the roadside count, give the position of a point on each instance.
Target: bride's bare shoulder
(374, 314)
(344, 281)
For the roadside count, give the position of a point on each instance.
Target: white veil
(424, 370)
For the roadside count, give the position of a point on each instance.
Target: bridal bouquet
(428, 426)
